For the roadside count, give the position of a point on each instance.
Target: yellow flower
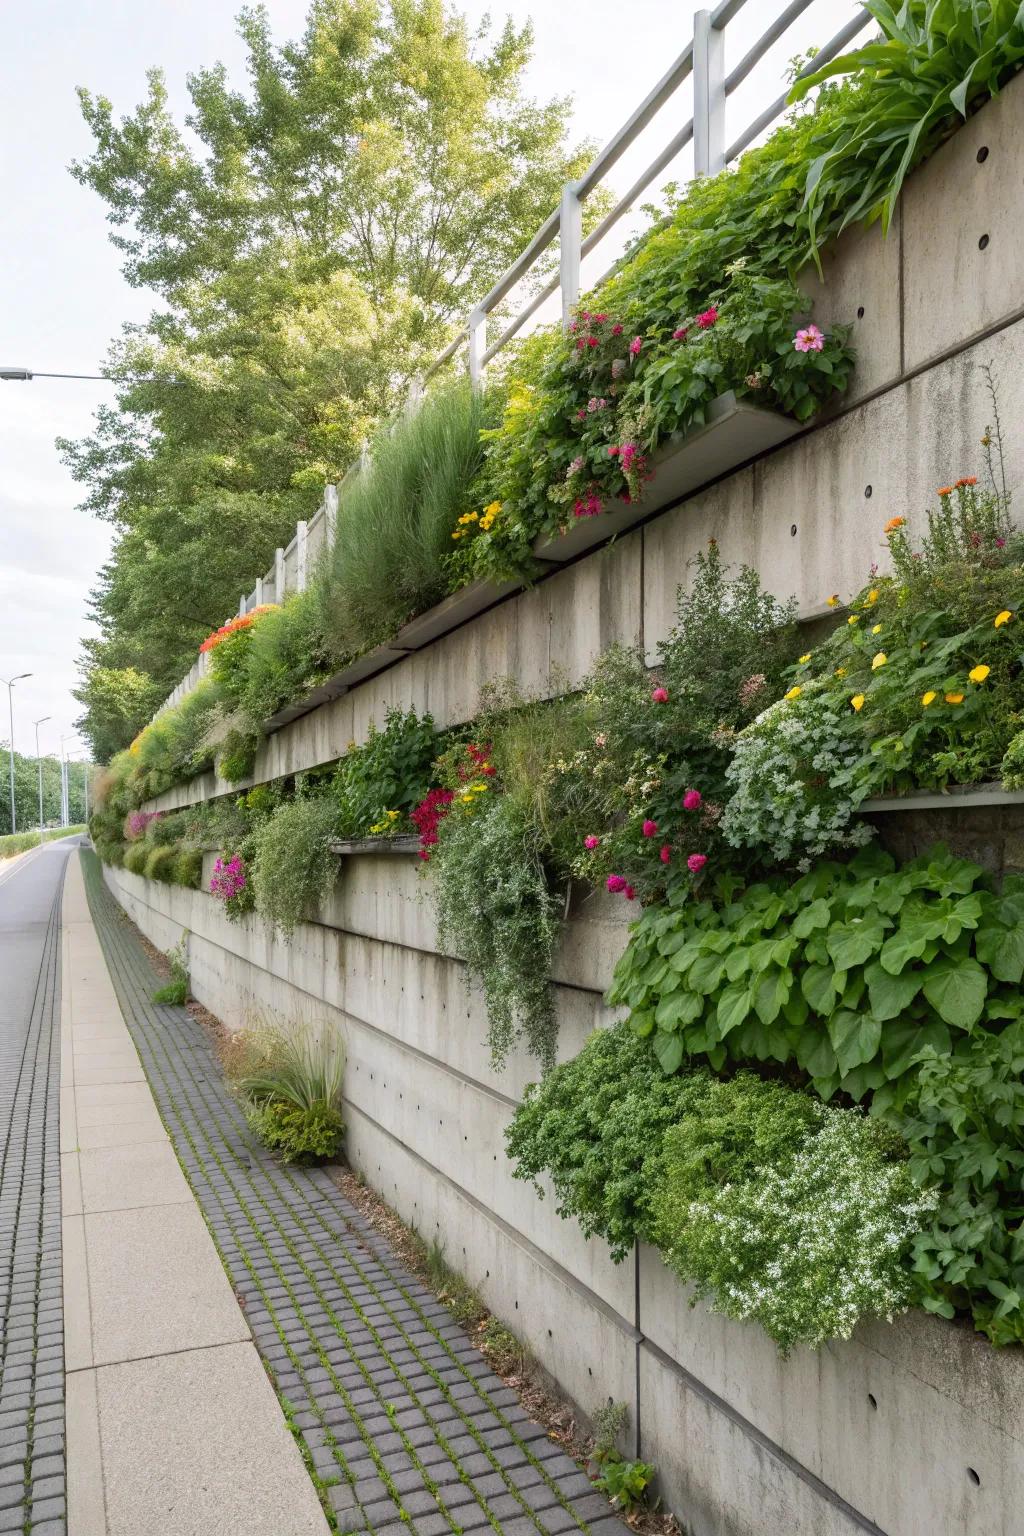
(929, 697)
(492, 509)
(840, 671)
(833, 601)
(853, 619)
(872, 596)
(1003, 618)
(858, 702)
(794, 693)
(875, 628)
(878, 661)
(466, 798)
(954, 698)
(978, 674)
(805, 658)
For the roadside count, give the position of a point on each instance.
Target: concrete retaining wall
(912, 1429)
(886, 1432)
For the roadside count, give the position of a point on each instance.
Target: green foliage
(188, 868)
(804, 1227)
(291, 1081)
(175, 993)
(300, 1135)
(625, 1482)
(932, 61)
(236, 755)
(118, 701)
(161, 862)
(379, 783)
(395, 521)
(287, 656)
(849, 973)
(21, 842)
(293, 867)
(311, 240)
(496, 911)
(777, 1208)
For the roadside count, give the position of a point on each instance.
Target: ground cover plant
(290, 1081)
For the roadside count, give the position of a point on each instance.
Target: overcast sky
(61, 293)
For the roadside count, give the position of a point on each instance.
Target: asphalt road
(32, 1465)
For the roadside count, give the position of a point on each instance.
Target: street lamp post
(39, 764)
(10, 708)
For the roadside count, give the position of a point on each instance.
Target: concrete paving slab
(127, 1073)
(226, 1462)
(77, 1315)
(110, 1097)
(70, 1184)
(121, 1133)
(143, 1305)
(86, 1507)
(68, 1118)
(119, 1178)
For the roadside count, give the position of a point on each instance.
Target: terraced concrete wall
(913, 1429)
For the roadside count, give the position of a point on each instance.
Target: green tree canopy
(313, 241)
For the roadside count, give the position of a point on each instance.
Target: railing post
(477, 347)
(278, 575)
(259, 592)
(570, 237)
(241, 606)
(414, 398)
(708, 96)
(330, 515)
(301, 555)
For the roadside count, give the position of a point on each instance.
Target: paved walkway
(31, 1344)
(173, 1426)
(402, 1424)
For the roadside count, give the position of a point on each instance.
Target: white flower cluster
(814, 1245)
(791, 778)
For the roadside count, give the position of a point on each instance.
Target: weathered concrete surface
(742, 1439)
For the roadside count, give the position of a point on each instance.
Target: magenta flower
(659, 695)
(629, 893)
(707, 319)
(613, 451)
(616, 330)
(681, 334)
(649, 828)
(580, 343)
(589, 508)
(592, 341)
(809, 340)
(665, 854)
(1000, 543)
(615, 884)
(635, 345)
(692, 800)
(591, 842)
(695, 863)
(598, 319)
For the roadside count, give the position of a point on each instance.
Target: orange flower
(944, 490)
(893, 524)
(954, 698)
(966, 480)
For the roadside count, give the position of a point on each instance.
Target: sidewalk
(173, 1428)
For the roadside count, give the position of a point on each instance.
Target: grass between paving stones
(142, 1018)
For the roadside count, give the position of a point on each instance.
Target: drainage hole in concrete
(860, 311)
(873, 1400)
(982, 155)
(983, 243)
(792, 530)
(975, 1479)
(868, 492)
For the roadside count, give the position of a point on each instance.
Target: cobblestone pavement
(402, 1424)
(32, 1472)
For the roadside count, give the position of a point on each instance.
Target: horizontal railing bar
(617, 146)
(449, 351)
(540, 242)
(726, 12)
(517, 324)
(780, 25)
(823, 56)
(654, 170)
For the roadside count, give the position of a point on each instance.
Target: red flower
(659, 695)
(665, 854)
(708, 318)
(695, 863)
(615, 884)
(649, 828)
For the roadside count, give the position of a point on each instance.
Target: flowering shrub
(378, 785)
(136, 823)
(780, 1210)
(230, 883)
(427, 817)
(235, 626)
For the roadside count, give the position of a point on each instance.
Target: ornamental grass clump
(291, 1082)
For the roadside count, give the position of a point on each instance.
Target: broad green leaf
(815, 1054)
(891, 995)
(770, 992)
(956, 990)
(855, 1038)
(817, 986)
(705, 973)
(814, 916)
(733, 1007)
(852, 944)
(669, 1051)
(1002, 950)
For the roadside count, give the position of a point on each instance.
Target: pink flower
(635, 345)
(573, 324)
(591, 842)
(589, 508)
(649, 828)
(659, 695)
(585, 315)
(613, 451)
(707, 319)
(627, 453)
(1000, 543)
(665, 854)
(616, 330)
(692, 800)
(681, 334)
(809, 340)
(592, 341)
(695, 863)
(598, 319)
(629, 893)
(615, 884)
(577, 464)
(581, 414)
(580, 343)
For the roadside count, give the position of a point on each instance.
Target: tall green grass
(21, 842)
(395, 522)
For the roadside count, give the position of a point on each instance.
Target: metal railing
(704, 59)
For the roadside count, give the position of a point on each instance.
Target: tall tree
(312, 242)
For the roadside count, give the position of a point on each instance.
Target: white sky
(61, 293)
